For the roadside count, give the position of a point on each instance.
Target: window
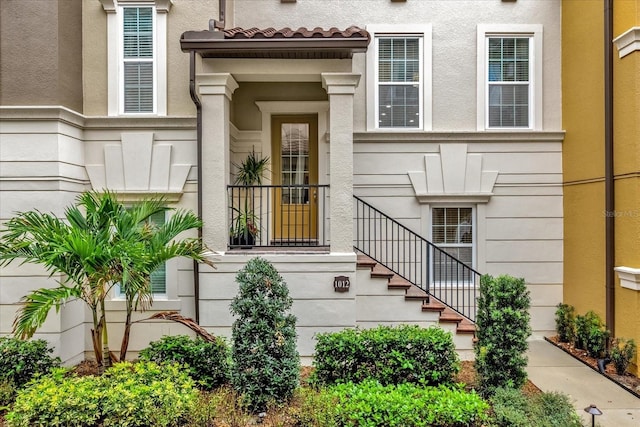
(138, 60)
(137, 56)
(509, 77)
(400, 81)
(452, 230)
(159, 275)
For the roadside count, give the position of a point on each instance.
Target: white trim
(629, 277)
(628, 42)
(426, 105)
(535, 31)
(115, 80)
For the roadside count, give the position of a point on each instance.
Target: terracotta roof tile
(288, 33)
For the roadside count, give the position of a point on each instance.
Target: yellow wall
(583, 160)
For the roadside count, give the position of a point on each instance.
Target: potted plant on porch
(245, 226)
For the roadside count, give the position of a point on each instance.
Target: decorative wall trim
(453, 175)
(138, 167)
(628, 42)
(629, 277)
(459, 136)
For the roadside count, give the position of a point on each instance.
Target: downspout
(608, 167)
(198, 104)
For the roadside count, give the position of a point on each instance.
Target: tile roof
(288, 33)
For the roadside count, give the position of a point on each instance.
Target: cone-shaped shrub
(503, 329)
(266, 365)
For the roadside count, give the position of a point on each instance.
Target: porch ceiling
(277, 44)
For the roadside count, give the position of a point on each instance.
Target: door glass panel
(294, 158)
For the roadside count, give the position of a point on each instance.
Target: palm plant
(98, 245)
(250, 172)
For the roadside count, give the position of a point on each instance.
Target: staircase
(393, 261)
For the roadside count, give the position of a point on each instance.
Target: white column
(341, 87)
(215, 92)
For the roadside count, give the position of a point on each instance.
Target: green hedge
(21, 360)
(207, 362)
(141, 394)
(391, 355)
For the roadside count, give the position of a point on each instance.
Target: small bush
(266, 365)
(7, 395)
(207, 362)
(391, 355)
(372, 404)
(21, 360)
(502, 332)
(141, 394)
(565, 322)
(591, 334)
(621, 353)
(512, 408)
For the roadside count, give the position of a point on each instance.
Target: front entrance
(294, 140)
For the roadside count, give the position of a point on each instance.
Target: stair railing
(416, 259)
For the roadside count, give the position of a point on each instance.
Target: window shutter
(138, 59)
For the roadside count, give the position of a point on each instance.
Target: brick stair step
(380, 271)
(414, 292)
(365, 261)
(433, 305)
(466, 327)
(449, 315)
(397, 282)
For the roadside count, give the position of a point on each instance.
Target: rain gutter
(608, 168)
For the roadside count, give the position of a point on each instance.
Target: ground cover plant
(140, 394)
(391, 355)
(205, 361)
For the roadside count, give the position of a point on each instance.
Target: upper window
(509, 77)
(137, 56)
(400, 84)
(138, 60)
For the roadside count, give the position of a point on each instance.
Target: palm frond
(36, 306)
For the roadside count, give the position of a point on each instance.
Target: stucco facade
(511, 179)
(585, 269)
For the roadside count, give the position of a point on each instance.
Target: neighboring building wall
(44, 42)
(584, 163)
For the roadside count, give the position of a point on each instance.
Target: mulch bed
(629, 382)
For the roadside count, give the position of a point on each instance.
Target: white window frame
(115, 67)
(535, 33)
(474, 236)
(424, 32)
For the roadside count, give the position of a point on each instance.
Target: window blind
(138, 59)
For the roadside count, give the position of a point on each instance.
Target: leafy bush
(7, 394)
(372, 404)
(512, 408)
(266, 365)
(565, 322)
(621, 353)
(207, 362)
(591, 334)
(21, 360)
(391, 355)
(502, 332)
(141, 394)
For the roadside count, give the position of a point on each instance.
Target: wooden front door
(294, 141)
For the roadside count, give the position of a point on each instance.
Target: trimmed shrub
(391, 355)
(141, 394)
(512, 408)
(7, 395)
(591, 334)
(372, 404)
(207, 362)
(565, 322)
(266, 365)
(502, 332)
(621, 353)
(21, 360)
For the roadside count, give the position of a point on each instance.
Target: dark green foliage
(207, 362)
(20, 360)
(141, 394)
(372, 404)
(591, 334)
(391, 355)
(621, 353)
(511, 408)
(565, 322)
(502, 332)
(266, 365)
(7, 395)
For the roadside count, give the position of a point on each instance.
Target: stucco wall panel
(524, 251)
(524, 228)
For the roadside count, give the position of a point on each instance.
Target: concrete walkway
(551, 369)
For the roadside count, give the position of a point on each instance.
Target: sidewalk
(551, 369)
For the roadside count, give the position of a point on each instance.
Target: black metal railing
(277, 215)
(416, 259)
